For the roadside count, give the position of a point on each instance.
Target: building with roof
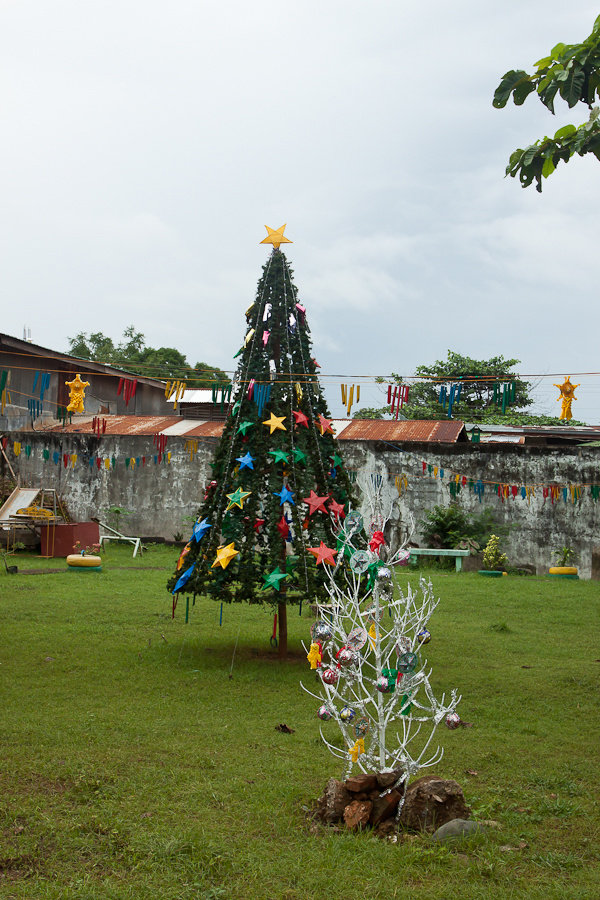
(34, 390)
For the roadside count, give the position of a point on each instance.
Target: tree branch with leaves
(571, 71)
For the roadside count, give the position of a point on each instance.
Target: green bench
(426, 551)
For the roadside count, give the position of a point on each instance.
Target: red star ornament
(283, 527)
(376, 541)
(323, 554)
(315, 504)
(258, 523)
(325, 425)
(300, 418)
(337, 509)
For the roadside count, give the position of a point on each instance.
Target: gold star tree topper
(275, 236)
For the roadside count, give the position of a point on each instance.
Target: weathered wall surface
(160, 495)
(538, 526)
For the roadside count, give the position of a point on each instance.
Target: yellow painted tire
(563, 570)
(83, 562)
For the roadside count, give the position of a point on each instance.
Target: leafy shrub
(565, 556)
(451, 526)
(493, 559)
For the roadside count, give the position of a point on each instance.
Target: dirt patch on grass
(35, 784)
(12, 868)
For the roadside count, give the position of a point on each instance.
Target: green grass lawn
(134, 766)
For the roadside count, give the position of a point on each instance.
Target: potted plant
(494, 560)
(563, 567)
(85, 559)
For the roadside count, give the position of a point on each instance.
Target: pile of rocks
(371, 801)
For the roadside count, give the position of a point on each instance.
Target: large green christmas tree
(268, 523)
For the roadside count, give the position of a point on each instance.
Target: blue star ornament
(200, 529)
(184, 578)
(246, 462)
(285, 496)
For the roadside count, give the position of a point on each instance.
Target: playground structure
(114, 535)
(26, 512)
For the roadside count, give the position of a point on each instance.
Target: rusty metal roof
(413, 430)
(123, 425)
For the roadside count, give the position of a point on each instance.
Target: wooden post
(282, 612)
(282, 625)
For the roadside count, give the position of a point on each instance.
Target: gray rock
(456, 828)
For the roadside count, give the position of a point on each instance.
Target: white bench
(434, 551)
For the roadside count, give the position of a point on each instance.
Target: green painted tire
(491, 573)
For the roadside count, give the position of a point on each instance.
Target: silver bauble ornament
(322, 631)
(353, 522)
(453, 721)
(382, 685)
(360, 561)
(383, 574)
(407, 662)
(361, 726)
(329, 676)
(345, 657)
(357, 638)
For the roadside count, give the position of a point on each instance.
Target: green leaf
(557, 50)
(509, 81)
(543, 63)
(571, 89)
(548, 167)
(547, 96)
(529, 154)
(564, 132)
(522, 91)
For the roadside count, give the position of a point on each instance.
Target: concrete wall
(161, 495)
(538, 527)
(158, 495)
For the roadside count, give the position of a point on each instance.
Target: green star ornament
(279, 455)
(272, 580)
(244, 426)
(237, 498)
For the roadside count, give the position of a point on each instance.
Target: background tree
(482, 382)
(573, 72)
(136, 357)
(279, 489)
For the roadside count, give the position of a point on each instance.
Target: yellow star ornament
(275, 422)
(224, 556)
(275, 237)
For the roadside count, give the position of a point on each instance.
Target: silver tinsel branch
(368, 650)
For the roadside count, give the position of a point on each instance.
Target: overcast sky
(145, 145)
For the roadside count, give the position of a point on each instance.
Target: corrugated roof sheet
(413, 430)
(123, 424)
(345, 429)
